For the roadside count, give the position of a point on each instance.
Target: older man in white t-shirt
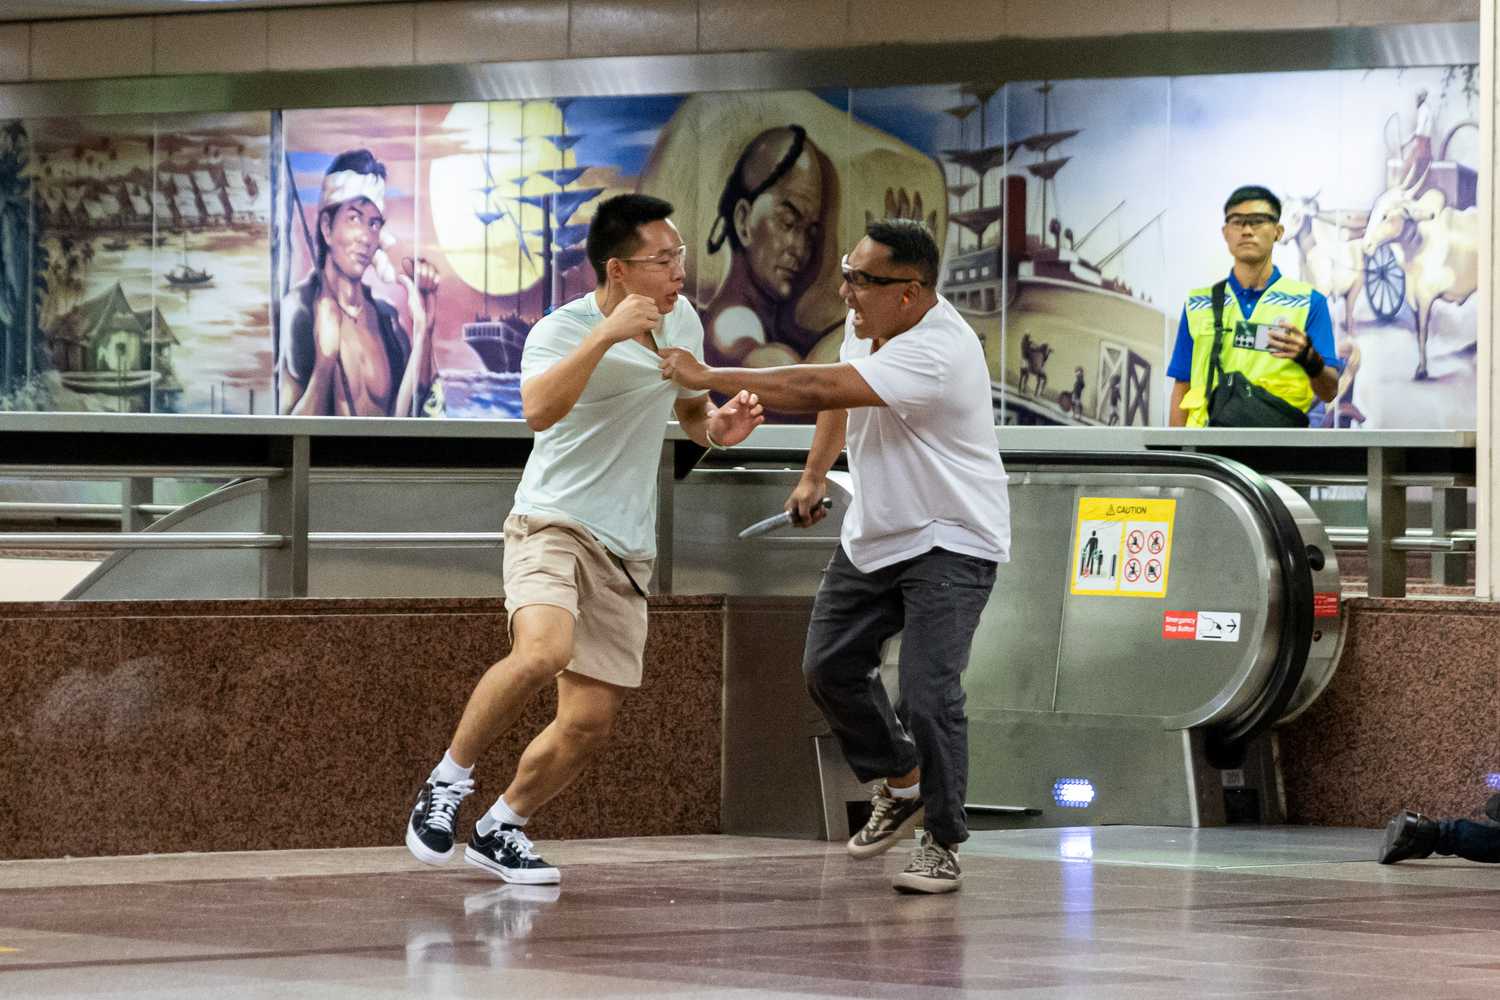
(919, 547)
(580, 540)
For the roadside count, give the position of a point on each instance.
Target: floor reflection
(1097, 913)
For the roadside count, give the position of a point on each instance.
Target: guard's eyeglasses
(1254, 221)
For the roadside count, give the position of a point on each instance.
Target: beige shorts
(555, 561)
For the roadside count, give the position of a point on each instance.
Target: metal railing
(1414, 540)
(91, 541)
(1386, 537)
(279, 450)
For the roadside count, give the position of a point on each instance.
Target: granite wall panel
(224, 725)
(1409, 721)
(217, 726)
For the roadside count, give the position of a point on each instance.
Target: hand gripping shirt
(598, 464)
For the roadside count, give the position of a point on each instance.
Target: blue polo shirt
(1319, 328)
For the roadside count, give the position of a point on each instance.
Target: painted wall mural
(135, 258)
(390, 261)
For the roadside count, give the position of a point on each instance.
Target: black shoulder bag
(1235, 401)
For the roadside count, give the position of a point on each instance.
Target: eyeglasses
(667, 258)
(864, 279)
(1255, 221)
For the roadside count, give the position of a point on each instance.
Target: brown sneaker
(933, 868)
(891, 819)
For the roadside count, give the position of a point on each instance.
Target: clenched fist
(636, 315)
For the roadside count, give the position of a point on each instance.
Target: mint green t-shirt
(597, 465)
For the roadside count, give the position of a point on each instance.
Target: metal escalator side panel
(1327, 645)
(1109, 652)
(1240, 693)
(1226, 742)
(1291, 603)
(179, 574)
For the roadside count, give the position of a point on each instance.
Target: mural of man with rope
(344, 352)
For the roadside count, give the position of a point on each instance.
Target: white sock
(909, 792)
(500, 812)
(448, 770)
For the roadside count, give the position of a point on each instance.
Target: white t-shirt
(927, 472)
(597, 465)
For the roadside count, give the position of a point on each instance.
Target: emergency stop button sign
(1179, 625)
(1204, 626)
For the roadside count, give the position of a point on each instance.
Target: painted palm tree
(24, 264)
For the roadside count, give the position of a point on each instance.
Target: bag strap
(1215, 361)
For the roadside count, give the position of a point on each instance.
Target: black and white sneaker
(891, 819)
(509, 853)
(933, 868)
(429, 832)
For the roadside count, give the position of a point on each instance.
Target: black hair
(911, 243)
(613, 229)
(361, 161)
(735, 190)
(1254, 192)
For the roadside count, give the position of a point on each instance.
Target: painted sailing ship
(554, 249)
(183, 274)
(498, 340)
(1079, 346)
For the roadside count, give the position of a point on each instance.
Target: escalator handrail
(1226, 741)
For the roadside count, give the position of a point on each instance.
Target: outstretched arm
(793, 388)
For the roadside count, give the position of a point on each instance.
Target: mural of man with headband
(769, 215)
(343, 352)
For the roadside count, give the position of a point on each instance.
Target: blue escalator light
(1073, 793)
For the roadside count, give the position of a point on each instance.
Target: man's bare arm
(692, 415)
(792, 388)
(1325, 384)
(1176, 415)
(827, 443)
(547, 398)
(729, 424)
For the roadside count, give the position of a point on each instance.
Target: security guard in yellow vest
(1297, 363)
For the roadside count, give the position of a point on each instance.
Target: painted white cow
(1438, 246)
(1331, 261)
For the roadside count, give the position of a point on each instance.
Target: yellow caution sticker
(1122, 546)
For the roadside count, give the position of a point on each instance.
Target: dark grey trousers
(935, 600)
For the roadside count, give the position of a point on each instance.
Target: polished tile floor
(1090, 913)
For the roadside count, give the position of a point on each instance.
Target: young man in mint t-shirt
(580, 540)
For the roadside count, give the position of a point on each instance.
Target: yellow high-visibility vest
(1285, 300)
